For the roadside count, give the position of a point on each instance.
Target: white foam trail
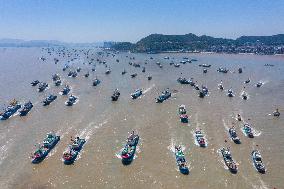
(221, 160)
(254, 131)
(225, 125)
(90, 129)
(150, 88)
(4, 150)
(243, 92)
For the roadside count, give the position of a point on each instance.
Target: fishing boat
(234, 136)
(123, 72)
(65, 68)
(259, 84)
(136, 94)
(196, 87)
(164, 96)
(248, 130)
(183, 80)
(244, 95)
(176, 65)
(35, 82)
(180, 160)
(26, 108)
(276, 113)
(115, 95)
(57, 82)
(42, 151)
(49, 99)
(191, 82)
(96, 82)
(129, 149)
(247, 81)
(87, 74)
(222, 70)
(240, 70)
(204, 70)
(205, 65)
(239, 118)
(182, 109)
(199, 137)
(144, 69)
(78, 69)
(133, 75)
(183, 118)
(71, 100)
(230, 93)
(107, 71)
(12, 108)
(203, 92)
(42, 87)
(230, 163)
(220, 86)
(71, 153)
(257, 161)
(74, 74)
(55, 77)
(149, 78)
(66, 90)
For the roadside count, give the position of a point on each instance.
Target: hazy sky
(130, 20)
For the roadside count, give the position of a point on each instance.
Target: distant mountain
(192, 42)
(159, 42)
(7, 40)
(267, 40)
(43, 43)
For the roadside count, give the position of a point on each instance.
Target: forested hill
(192, 42)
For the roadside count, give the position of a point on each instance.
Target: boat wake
(255, 132)
(225, 125)
(87, 132)
(148, 89)
(4, 150)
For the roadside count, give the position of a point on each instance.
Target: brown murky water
(105, 124)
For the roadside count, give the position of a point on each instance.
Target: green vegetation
(191, 42)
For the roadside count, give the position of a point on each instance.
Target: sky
(131, 20)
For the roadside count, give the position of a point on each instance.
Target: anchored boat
(164, 96)
(222, 70)
(183, 80)
(13, 107)
(42, 87)
(133, 75)
(115, 95)
(230, 93)
(35, 82)
(71, 100)
(259, 84)
(96, 82)
(49, 99)
(66, 90)
(27, 107)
